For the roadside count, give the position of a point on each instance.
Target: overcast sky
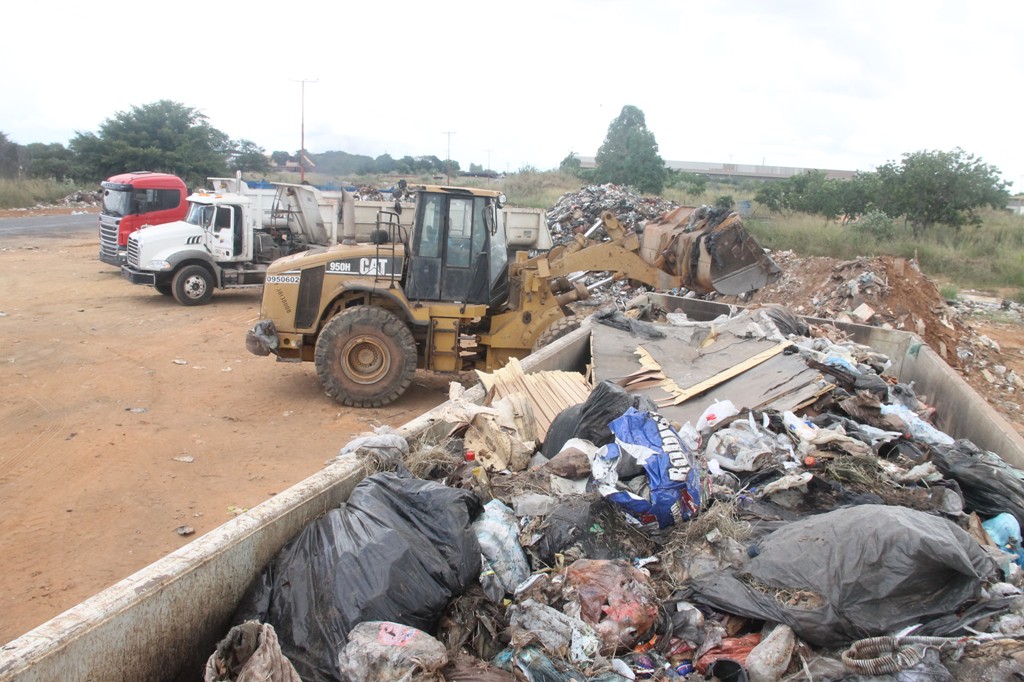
(806, 83)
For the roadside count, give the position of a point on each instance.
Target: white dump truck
(230, 235)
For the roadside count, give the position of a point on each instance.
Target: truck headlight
(159, 265)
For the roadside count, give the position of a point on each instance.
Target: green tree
(8, 157)
(694, 184)
(279, 158)
(629, 154)
(46, 161)
(930, 187)
(571, 164)
(162, 136)
(384, 164)
(248, 157)
(773, 196)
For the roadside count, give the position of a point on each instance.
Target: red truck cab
(132, 200)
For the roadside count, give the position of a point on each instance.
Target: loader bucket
(712, 251)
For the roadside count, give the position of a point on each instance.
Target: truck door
(227, 232)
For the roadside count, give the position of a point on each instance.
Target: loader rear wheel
(557, 330)
(365, 357)
(192, 285)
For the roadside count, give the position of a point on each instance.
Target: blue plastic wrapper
(647, 442)
(1005, 532)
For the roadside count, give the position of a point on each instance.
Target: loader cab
(457, 247)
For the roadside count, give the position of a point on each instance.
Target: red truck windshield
(117, 203)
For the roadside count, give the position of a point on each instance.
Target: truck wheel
(365, 357)
(164, 288)
(192, 285)
(557, 330)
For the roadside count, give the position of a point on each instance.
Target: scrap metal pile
(747, 498)
(577, 212)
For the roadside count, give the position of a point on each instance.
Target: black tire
(365, 357)
(557, 330)
(165, 288)
(192, 285)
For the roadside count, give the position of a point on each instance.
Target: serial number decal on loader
(374, 267)
(282, 279)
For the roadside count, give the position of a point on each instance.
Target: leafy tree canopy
(8, 157)
(163, 136)
(248, 157)
(930, 187)
(629, 154)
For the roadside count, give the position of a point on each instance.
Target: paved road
(48, 225)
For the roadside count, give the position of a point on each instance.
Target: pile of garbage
(849, 539)
(578, 212)
(882, 291)
(81, 199)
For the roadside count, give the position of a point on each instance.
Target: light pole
(448, 158)
(302, 151)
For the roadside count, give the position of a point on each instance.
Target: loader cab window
(429, 245)
(449, 260)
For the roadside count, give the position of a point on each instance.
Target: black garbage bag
(990, 486)
(398, 551)
(589, 420)
(853, 573)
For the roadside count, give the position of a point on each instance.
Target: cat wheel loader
(443, 294)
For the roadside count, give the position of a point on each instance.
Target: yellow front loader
(444, 295)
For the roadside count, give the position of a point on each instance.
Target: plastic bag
(918, 428)
(398, 551)
(716, 412)
(590, 419)
(1005, 532)
(672, 487)
(990, 485)
(389, 652)
(743, 446)
(770, 658)
(505, 565)
(250, 653)
(614, 597)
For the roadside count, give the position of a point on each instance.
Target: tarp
(853, 573)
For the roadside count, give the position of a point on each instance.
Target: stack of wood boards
(684, 372)
(549, 392)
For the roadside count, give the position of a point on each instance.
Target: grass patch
(28, 193)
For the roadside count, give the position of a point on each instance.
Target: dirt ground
(126, 416)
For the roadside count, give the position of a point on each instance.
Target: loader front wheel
(365, 357)
(557, 330)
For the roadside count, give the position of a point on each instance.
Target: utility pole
(488, 160)
(302, 151)
(448, 158)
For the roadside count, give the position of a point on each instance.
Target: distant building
(1016, 204)
(738, 170)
